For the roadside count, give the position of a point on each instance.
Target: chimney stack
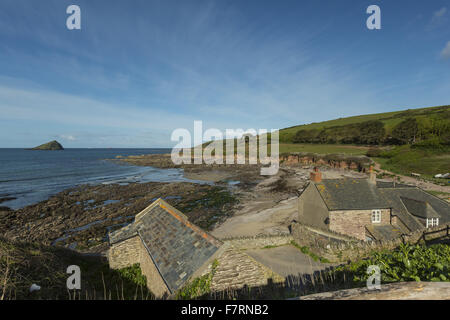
(316, 175)
(372, 176)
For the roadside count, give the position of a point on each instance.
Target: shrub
(434, 143)
(374, 152)
(134, 274)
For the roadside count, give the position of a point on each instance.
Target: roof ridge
(416, 200)
(183, 219)
(177, 214)
(345, 178)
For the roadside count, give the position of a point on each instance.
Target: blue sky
(137, 70)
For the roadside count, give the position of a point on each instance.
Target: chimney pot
(316, 175)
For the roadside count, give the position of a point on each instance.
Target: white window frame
(376, 216)
(432, 222)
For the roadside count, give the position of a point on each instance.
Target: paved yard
(286, 260)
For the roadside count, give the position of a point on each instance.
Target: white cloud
(67, 137)
(445, 53)
(439, 16)
(440, 13)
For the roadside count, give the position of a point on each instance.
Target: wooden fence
(446, 229)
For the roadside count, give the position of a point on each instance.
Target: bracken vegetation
(406, 263)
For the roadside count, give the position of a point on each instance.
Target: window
(376, 216)
(432, 222)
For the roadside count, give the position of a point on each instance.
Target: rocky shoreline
(80, 218)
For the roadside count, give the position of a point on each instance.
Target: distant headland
(52, 145)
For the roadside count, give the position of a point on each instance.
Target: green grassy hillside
(389, 120)
(416, 140)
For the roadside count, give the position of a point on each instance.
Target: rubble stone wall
(125, 253)
(237, 269)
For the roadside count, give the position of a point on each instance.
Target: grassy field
(404, 160)
(322, 148)
(314, 148)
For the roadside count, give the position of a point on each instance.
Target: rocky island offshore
(52, 145)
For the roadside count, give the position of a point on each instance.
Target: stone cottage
(170, 250)
(367, 209)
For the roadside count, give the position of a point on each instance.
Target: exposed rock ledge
(392, 291)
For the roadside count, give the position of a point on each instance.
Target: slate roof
(350, 194)
(391, 184)
(124, 233)
(385, 232)
(398, 208)
(177, 247)
(441, 207)
(421, 209)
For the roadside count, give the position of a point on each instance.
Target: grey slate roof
(441, 207)
(122, 234)
(350, 194)
(420, 209)
(177, 247)
(384, 232)
(398, 208)
(390, 184)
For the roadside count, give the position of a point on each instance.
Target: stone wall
(236, 269)
(343, 251)
(259, 241)
(131, 251)
(308, 236)
(353, 222)
(125, 253)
